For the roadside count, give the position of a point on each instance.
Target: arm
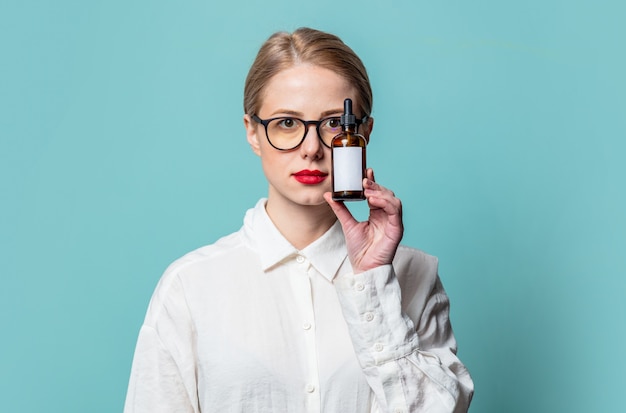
(407, 353)
(162, 376)
(410, 366)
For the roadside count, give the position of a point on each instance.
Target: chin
(311, 200)
(307, 196)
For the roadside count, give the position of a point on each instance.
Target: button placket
(310, 387)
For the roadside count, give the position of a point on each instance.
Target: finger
(369, 174)
(386, 215)
(341, 211)
(386, 200)
(391, 206)
(371, 186)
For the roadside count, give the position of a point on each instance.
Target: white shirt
(251, 324)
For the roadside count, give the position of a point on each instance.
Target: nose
(312, 146)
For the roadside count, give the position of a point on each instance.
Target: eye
(288, 123)
(332, 124)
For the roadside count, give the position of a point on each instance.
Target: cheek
(272, 161)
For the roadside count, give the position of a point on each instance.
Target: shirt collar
(326, 254)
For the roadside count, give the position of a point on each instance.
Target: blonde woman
(304, 309)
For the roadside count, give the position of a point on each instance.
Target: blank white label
(348, 169)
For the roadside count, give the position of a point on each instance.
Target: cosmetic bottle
(348, 158)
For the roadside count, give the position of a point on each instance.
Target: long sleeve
(403, 339)
(162, 374)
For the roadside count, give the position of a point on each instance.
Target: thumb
(341, 211)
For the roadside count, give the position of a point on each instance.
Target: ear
(367, 128)
(251, 134)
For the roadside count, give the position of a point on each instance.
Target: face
(302, 175)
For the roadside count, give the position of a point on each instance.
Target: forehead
(306, 89)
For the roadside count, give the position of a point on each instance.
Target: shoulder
(417, 274)
(415, 263)
(196, 268)
(223, 247)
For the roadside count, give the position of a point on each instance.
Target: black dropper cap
(347, 119)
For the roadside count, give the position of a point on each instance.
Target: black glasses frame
(306, 123)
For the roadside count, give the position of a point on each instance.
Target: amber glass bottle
(348, 157)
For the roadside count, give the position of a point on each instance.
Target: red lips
(308, 177)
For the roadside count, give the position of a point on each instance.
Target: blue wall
(501, 125)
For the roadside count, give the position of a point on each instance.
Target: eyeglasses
(286, 133)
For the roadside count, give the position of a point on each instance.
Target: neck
(300, 224)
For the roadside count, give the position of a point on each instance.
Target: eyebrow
(296, 113)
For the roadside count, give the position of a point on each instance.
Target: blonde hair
(283, 50)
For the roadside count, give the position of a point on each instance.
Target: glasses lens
(285, 133)
(329, 128)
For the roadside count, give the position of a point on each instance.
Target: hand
(371, 243)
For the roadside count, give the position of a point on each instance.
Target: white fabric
(250, 324)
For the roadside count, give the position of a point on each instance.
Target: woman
(304, 308)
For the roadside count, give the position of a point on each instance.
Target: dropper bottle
(348, 158)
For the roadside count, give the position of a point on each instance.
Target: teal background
(501, 125)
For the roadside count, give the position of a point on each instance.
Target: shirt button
(310, 388)
(359, 286)
(300, 259)
(306, 326)
(378, 347)
(369, 316)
